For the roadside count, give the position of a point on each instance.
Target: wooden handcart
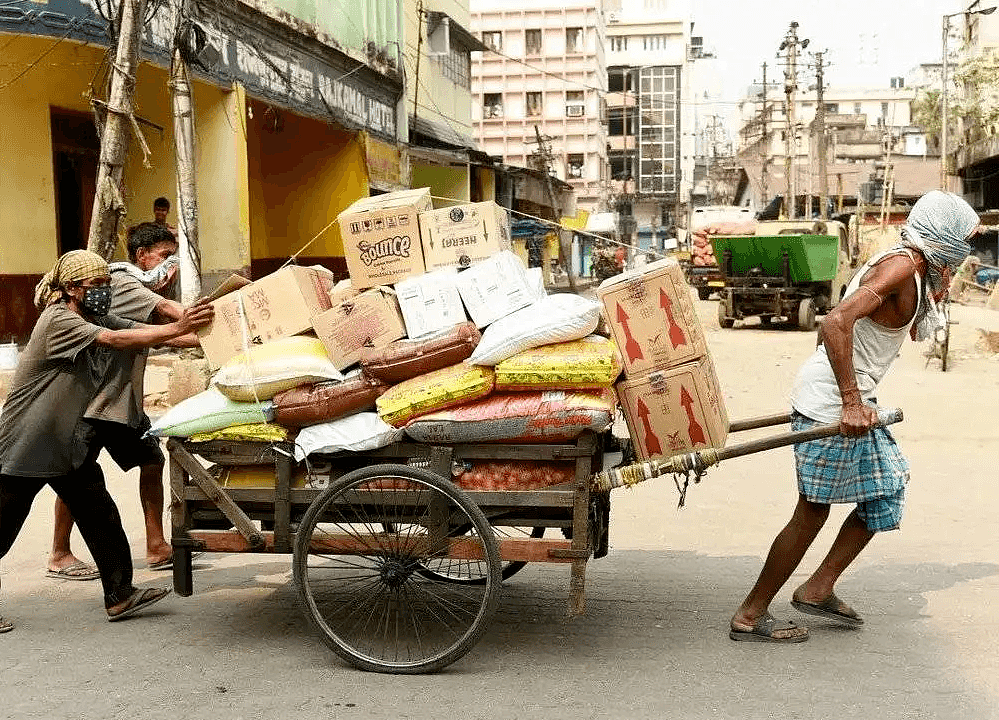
(398, 568)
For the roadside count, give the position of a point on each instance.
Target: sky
(867, 41)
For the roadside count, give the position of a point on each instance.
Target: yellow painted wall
(444, 181)
(28, 243)
(302, 173)
(27, 202)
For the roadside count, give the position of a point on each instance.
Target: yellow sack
(261, 432)
(433, 391)
(276, 366)
(588, 364)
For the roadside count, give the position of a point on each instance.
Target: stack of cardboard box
(396, 239)
(671, 397)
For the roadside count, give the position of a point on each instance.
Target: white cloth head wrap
(938, 226)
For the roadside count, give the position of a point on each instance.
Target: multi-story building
(861, 125)
(543, 77)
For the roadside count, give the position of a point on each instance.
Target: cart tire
(365, 592)
(703, 293)
(458, 571)
(806, 315)
(723, 319)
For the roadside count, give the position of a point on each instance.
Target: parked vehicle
(793, 269)
(703, 272)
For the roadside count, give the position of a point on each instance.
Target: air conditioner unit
(575, 110)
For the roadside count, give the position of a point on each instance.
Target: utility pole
(544, 153)
(820, 129)
(765, 145)
(109, 206)
(184, 150)
(791, 44)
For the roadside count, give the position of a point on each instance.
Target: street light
(943, 88)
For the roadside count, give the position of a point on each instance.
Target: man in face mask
(44, 438)
(117, 412)
(892, 295)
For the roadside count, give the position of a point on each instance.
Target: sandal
(763, 631)
(5, 626)
(138, 600)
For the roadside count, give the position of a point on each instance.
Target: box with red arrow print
(675, 410)
(652, 318)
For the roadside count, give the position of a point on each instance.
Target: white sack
(553, 319)
(207, 411)
(356, 433)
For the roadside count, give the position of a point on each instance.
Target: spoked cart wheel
(459, 571)
(361, 554)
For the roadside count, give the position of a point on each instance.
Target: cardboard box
(381, 237)
(275, 306)
(461, 235)
(675, 410)
(430, 302)
(652, 318)
(343, 290)
(370, 319)
(496, 287)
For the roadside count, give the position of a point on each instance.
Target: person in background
(161, 208)
(893, 295)
(44, 438)
(117, 412)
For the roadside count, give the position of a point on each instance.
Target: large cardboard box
(496, 287)
(430, 302)
(675, 410)
(652, 318)
(461, 235)
(370, 319)
(381, 237)
(275, 306)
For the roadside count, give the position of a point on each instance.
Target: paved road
(653, 642)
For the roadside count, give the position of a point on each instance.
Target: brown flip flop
(139, 600)
(832, 608)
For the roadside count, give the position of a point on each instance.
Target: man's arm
(144, 336)
(882, 285)
(168, 310)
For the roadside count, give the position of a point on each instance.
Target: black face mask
(97, 300)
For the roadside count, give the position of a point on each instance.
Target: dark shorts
(125, 444)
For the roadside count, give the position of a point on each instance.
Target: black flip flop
(5, 626)
(139, 600)
(763, 631)
(829, 609)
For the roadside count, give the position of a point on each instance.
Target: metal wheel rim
(376, 609)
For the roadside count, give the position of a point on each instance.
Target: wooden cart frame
(210, 518)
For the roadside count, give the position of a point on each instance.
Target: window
(457, 66)
(575, 103)
(493, 40)
(532, 104)
(532, 42)
(492, 105)
(574, 165)
(620, 79)
(832, 108)
(574, 40)
(619, 44)
(884, 110)
(856, 109)
(653, 42)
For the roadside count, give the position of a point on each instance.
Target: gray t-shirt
(119, 399)
(42, 432)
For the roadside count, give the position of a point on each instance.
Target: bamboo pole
(109, 206)
(184, 151)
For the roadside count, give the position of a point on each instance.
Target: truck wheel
(703, 293)
(806, 315)
(723, 319)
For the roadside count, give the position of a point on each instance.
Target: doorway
(76, 151)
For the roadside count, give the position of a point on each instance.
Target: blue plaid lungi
(868, 470)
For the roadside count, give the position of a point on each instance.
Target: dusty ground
(653, 643)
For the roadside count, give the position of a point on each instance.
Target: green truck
(790, 269)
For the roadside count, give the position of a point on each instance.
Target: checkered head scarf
(74, 266)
